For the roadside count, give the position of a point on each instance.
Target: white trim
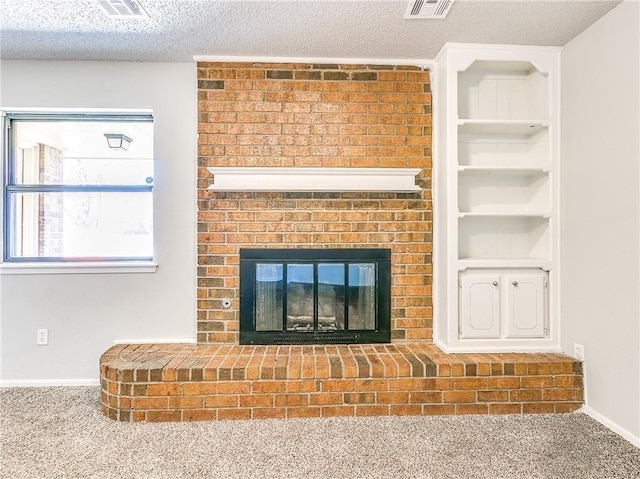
(42, 383)
(314, 179)
(128, 111)
(79, 268)
(419, 62)
(635, 440)
(154, 341)
(482, 47)
(468, 347)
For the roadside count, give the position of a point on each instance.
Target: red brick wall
(255, 114)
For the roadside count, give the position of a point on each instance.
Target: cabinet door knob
(515, 283)
(495, 283)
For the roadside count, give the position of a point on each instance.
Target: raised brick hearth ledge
(188, 382)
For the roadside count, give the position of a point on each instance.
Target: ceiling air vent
(428, 8)
(123, 8)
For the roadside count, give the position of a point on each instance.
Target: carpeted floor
(60, 433)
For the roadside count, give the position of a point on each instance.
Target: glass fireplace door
(296, 298)
(331, 282)
(269, 296)
(300, 298)
(362, 296)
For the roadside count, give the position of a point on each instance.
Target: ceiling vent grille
(123, 9)
(428, 8)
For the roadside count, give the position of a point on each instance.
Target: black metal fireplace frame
(381, 257)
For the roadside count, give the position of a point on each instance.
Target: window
(78, 187)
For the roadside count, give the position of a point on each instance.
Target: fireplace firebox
(315, 296)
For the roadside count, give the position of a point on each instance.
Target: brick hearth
(186, 382)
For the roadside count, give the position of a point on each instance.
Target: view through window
(78, 187)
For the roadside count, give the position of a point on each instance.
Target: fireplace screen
(312, 296)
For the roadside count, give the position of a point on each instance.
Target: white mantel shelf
(399, 180)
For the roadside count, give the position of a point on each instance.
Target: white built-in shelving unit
(496, 198)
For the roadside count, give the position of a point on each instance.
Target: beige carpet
(60, 433)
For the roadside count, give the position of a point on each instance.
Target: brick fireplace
(320, 116)
(298, 115)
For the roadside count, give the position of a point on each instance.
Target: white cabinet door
(480, 306)
(526, 305)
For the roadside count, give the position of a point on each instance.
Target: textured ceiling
(179, 29)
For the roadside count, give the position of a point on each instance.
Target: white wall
(86, 313)
(601, 213)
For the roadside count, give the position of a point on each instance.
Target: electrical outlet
(578, 351)
(43, 337)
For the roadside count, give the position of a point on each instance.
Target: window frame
(66, 264)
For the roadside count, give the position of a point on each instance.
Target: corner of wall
(600, 224)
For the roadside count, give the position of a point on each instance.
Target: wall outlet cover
(578, 351)
(42, 337)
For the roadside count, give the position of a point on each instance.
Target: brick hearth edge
(187, 382)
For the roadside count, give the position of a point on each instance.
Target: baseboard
(41, 383)
(152, 341)
(635, 440)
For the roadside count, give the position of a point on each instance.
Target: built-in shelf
(502, 214)
(515, 263)
(501, 149)
(502, 170)
(525, 128)
(496, 205)
(503, 236)
(399, 180)
(503, 191)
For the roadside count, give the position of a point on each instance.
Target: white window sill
(96, 267)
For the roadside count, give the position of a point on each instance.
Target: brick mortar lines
(382, 402)
(249, 386)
